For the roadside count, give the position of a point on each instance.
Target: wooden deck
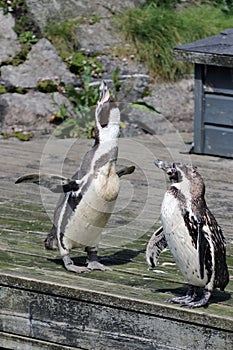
(42, 306)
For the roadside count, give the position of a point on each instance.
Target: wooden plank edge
(119, 301)
(12, 341)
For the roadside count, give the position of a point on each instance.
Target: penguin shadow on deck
(121, 257)
(217, 296)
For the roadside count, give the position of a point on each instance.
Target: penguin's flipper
(55, 183)
(45, 180)
(155, 246)
(126, 171)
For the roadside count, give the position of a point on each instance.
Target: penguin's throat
(185, 188)
(109, 133)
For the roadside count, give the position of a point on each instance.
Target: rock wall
(33, 109)
(55, 11)
(8, 39)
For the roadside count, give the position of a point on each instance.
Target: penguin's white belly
(180, 242)
(93, 212)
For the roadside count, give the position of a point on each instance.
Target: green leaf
(21, 135)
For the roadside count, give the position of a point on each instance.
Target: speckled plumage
(192, 233)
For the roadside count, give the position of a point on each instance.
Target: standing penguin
(192, 234)
(88, 199)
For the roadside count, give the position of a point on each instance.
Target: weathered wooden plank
(129, 296)
(218, 80)
(11, 341)
(75, 323)
(218, 110)
(203, 58)
(217, 140)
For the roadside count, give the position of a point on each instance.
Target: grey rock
(175, 102)
(45, 12)
(31, 111)
(8, 39)
(42, 63)
(141, 121)
(98, 37)
(133, 76)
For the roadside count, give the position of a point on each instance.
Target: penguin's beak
(169, 168)
(161, 164)
(103, 105)
(104, 94)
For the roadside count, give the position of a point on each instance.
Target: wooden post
(198, 109)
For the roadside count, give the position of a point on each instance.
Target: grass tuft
(154, 31)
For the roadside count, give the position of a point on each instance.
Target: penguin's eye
(172, 170)
(174, 175)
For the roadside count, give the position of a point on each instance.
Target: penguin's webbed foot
(69, 265)
(96, 265)
(190, 299)
(201, 302)
(93, 261)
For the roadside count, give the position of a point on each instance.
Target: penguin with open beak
(88, 199)
(191, 233)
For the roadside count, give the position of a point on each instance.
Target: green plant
(21, 135)
(78, 63)
(84, 99)
(27, 37)
(3, 89)
(47, 86)
(116, 82)
(154, 31)
(25, 27)
(63, 36)
(12, 89)
(60, 116)
(81, 124)
(23, 19)
(13, 6)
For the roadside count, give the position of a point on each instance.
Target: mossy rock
(79, 61)
(3, 89)
(46, 86)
